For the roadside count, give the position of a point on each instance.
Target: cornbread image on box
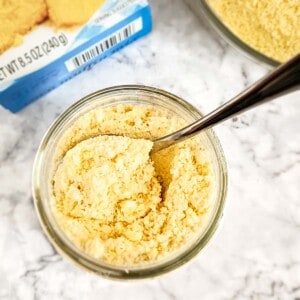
(41, 46)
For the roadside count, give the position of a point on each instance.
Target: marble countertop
(256, 253)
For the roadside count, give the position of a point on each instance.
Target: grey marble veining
(255, 254)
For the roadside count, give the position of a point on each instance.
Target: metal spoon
(283, 80)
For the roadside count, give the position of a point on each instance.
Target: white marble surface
(256, 253)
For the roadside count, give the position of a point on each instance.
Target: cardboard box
(47, 58)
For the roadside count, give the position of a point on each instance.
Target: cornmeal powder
(270, 26)
(117, 203)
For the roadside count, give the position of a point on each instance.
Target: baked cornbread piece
(67, 13)
(17, 17)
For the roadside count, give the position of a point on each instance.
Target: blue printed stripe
(34, 85)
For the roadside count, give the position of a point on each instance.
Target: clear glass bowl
(202, 7)
(136, 95)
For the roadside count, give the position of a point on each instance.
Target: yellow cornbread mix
(118, 203)
(271, 27)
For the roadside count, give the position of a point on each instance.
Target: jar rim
(68, 249)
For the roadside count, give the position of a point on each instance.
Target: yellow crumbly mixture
(270, 26)
(117, 203)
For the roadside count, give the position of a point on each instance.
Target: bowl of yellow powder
(267, 30)
(108, 204)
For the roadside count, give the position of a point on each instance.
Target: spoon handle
(283, 80)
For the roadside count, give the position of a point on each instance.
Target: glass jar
(135, 95)
(202, 8)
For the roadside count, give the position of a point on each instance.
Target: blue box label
(95, 42)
